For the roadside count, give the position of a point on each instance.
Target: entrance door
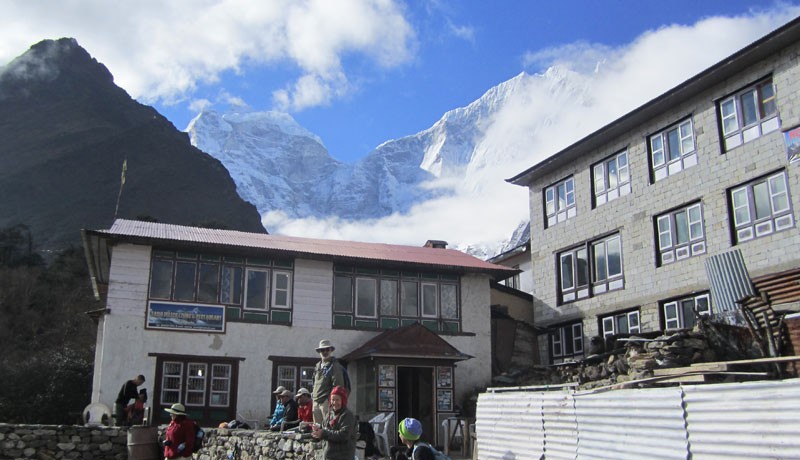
(415, 398)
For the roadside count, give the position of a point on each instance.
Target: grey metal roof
(158, 233)
(782, 37)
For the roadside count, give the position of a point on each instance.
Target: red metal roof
(153, 232)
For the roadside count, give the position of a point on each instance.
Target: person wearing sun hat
(277, 416)
(340, 430)
(410, 430)
(328, 373)
(180, 433)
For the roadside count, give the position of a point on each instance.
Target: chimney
(436, 244)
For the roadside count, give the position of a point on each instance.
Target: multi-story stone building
(623, 220)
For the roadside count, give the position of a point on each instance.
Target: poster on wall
(386, 375)
(386, 399)
(444, 400)
(444, 377)
(792, 139)
(178, 316)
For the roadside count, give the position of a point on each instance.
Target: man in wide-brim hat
(328, 373)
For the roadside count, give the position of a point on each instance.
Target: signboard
(183, 317)
(792, 139)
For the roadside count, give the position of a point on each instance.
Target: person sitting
(305, 409)
(410, 430)
(289, 419)
(277, 416)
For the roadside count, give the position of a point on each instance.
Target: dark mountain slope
(65, 130)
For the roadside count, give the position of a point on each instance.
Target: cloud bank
(162, 51)
(543, 118)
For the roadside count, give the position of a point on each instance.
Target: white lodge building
(217, 319)
(623, 221)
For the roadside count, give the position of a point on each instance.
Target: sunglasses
(325, 350)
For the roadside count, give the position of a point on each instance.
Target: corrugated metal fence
(755, 420)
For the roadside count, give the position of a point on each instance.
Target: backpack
(437, 454)
(329, 371)
(199, 434)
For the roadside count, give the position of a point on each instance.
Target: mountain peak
(48, 60)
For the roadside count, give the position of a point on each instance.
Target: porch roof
(411, 341)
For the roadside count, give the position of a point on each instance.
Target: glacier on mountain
(281, 167)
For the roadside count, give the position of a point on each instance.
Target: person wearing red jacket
(180, 433)
(304, 406)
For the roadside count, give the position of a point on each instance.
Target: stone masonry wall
(50, 442)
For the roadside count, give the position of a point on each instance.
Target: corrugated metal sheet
(631, 424)
(757, 420)
(130, 229)
(729, 280)
(509, 425)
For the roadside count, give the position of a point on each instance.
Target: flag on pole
(121, 183)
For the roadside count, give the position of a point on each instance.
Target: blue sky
(383, 69)
(360, 72)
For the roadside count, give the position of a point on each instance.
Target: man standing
(126, 393)
(328, 373)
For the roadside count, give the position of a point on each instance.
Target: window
(566, 342)
(748, 114)
(620, 323)
(591, 268)
(761, 207)
(682, 313)
(672, 150)
(206, 385)
(388, 299)
(611, 178)
(560, 202)
(680, 234)
(513, 282)
(292, 374)
(252, 284)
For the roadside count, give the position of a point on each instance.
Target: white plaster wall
(125, 351)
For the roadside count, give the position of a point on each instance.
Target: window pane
(688, 313)
(389, 297)
(280, 290)
(622, 161)
(409, 299)
(566, 272)
(702, 305)
(257, 289)
(768, 107)
(730, 122)
(600, 269)
(550, 201)
(673, 144)
(681, 227)
(582, 267)
(761, 198)
(613, 180)
(184, 281)
(365, 297)
(614, 257)
(622, 324)
(342, 294)
(429, 300)
(231, 286)
(562, 197)
(664, 233)
(695, 222)
(599, 179)
(209, 283)
(449, 301)
(780, 198)
(657, 146)
(608, 326)
(740, 206)
(570, 184)
(161, 279)
(687, 139)
(749, 109)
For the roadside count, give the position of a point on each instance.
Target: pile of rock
(46, 442)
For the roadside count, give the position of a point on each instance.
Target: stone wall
(50, 442)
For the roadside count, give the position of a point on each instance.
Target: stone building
(623, 220)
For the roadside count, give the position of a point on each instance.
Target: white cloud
(543, 118)
(163, 50)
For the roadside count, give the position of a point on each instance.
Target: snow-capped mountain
(280, 166)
